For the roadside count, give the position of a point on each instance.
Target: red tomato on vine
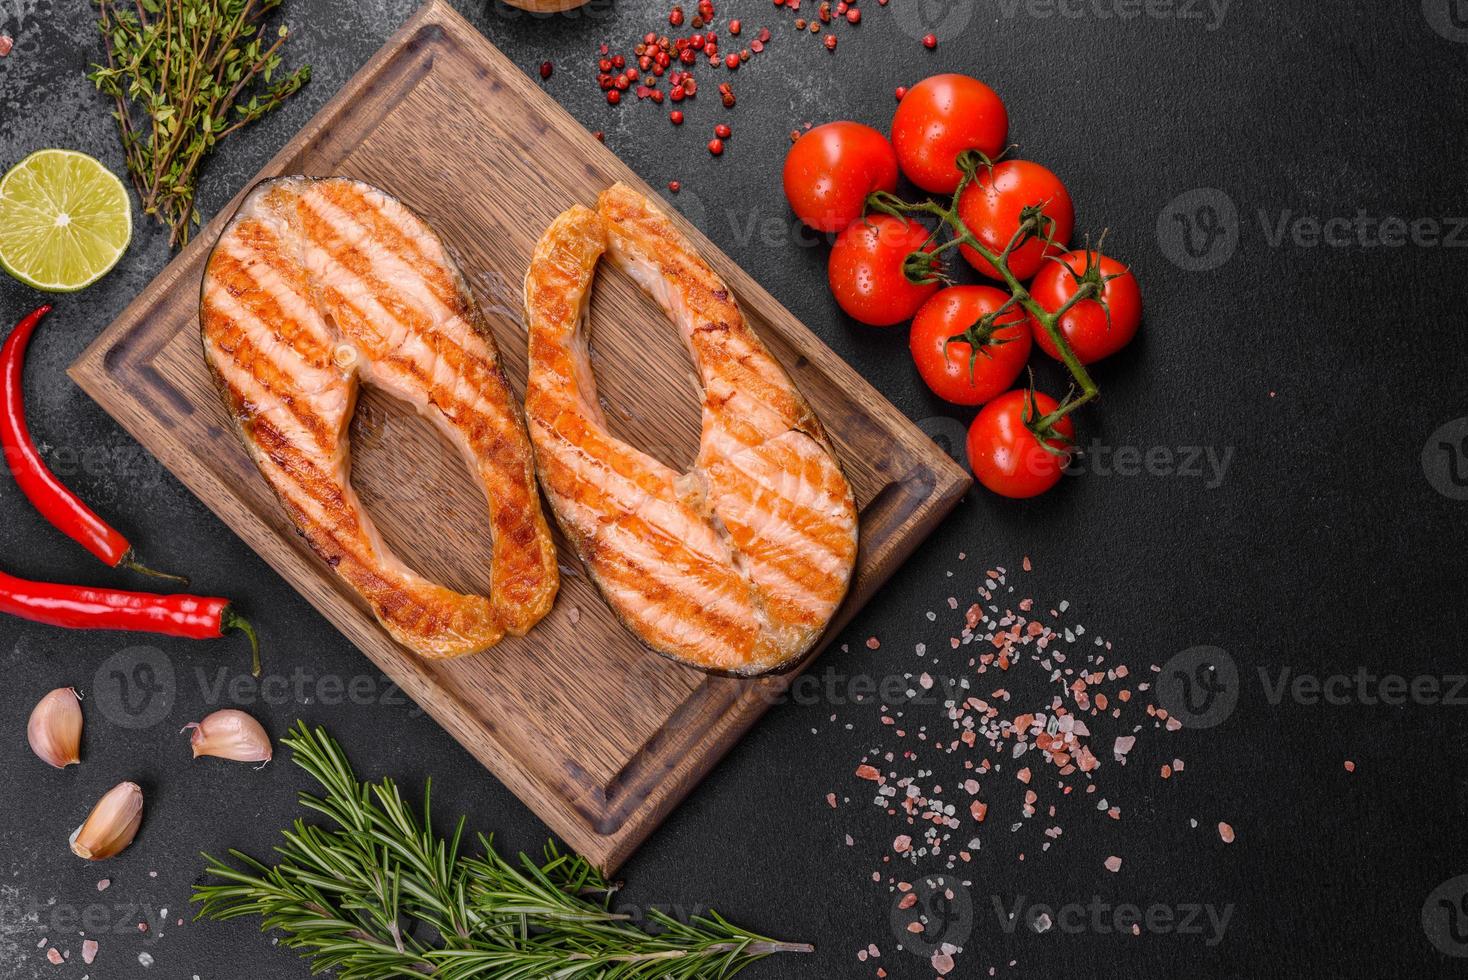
(1085, 326)
(1006, 456)
(830, 171)
(953, 368)
(866, 270)
(938, 119)
(993, 205)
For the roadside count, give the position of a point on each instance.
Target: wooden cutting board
(597, 735)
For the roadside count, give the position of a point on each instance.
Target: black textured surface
(1321, 372)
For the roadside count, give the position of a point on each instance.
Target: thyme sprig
(185, 74)
(379, 895)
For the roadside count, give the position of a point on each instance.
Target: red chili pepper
(81, 607)
(64, 509)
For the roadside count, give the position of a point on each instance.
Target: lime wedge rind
(41, 244)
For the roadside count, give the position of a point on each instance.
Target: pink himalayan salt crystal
(942, 963)
(902, 844)
(89, 950)
(104, 884)
(6, 43)
(54, 955)
(1113, 864)
(1225, 832)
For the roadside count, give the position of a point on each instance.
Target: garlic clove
(230, 734)
(55, 728)
(112, 824)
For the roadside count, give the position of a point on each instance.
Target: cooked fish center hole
(413, 480)
(645, 384)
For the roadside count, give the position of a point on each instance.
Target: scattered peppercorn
(675, 117)
(675, 17)
(716, 147)
(830, 42)
(930, 41)
(901, 92)
(613, 97)
(674, 186)
(546, 68)
(722, 131)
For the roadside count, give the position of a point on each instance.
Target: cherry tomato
(950, 369)
(866, 272)
(830, 171)
(1006, 456)
(1084, 327)
(991, 207)
(938, 119)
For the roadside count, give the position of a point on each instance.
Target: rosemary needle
(380, 895)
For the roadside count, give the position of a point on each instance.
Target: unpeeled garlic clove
(230, 734)
(112, 824)
(55, 728)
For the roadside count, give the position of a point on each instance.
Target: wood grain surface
(600, 737)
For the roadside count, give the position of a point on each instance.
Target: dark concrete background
(1332, 543)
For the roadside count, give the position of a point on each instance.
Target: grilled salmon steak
(738, 565)
(316, 286)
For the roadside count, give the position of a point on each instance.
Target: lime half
(65, 220)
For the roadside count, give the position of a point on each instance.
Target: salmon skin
(737, 566)
(316, 286)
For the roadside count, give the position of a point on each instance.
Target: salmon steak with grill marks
(317, 286)
(738, 565)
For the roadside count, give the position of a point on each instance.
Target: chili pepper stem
(131, 563)
(231, 620)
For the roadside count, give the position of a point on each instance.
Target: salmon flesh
(317, 286)
(738, 565)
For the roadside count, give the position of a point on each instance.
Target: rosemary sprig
(185, 74)
(379, 895)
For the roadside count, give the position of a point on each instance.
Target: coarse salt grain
(1225, 832)
(1113, 864)
(6, 43)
